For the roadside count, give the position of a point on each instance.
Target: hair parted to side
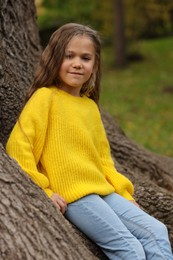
(52, 57)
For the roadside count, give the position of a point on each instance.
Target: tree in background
(119, 33)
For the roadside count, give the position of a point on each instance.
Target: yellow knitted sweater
(60, 141)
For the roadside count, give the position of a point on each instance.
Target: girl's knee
(160, 229)
(138, 251)
(127, 249)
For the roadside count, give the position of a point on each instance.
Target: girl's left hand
(135, 203)
(59, 202)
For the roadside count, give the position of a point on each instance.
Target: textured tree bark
(19, 53)
(30, 226)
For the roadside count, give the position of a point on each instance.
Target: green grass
(140, 97)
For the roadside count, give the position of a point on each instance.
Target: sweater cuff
(48, 192)
(127, 195)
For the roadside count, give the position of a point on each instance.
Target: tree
(119, 35)
(31, 227)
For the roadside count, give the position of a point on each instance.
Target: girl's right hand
(59, 202)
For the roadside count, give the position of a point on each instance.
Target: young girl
(60, 141)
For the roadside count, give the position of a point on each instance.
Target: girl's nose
(77, 64)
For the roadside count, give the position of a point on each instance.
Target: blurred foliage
(57, 12)
(143, 19)
(149, 18)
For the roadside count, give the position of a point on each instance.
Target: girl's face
(78, 64)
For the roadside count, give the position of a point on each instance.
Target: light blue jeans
(119, 228)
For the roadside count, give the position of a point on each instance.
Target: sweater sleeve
(122, 185)
(27, 138)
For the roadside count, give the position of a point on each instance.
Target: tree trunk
(119, 34)
(30, 226)
(19, 53)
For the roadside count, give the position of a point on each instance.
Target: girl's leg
(149, 231)
(93, 216)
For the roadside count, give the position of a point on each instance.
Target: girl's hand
(135, 203)
(59, 202)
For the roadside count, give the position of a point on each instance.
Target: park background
(137, 61)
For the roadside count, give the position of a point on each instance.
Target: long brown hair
(52, 58)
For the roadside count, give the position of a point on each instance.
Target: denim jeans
(119, 228)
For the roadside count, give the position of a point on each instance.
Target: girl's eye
(86, 58)
(68, 56)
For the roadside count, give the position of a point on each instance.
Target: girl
(60, 141)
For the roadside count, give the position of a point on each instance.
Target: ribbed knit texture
(60, 141)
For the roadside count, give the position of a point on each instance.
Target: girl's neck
(72, 91)
(67, 93)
